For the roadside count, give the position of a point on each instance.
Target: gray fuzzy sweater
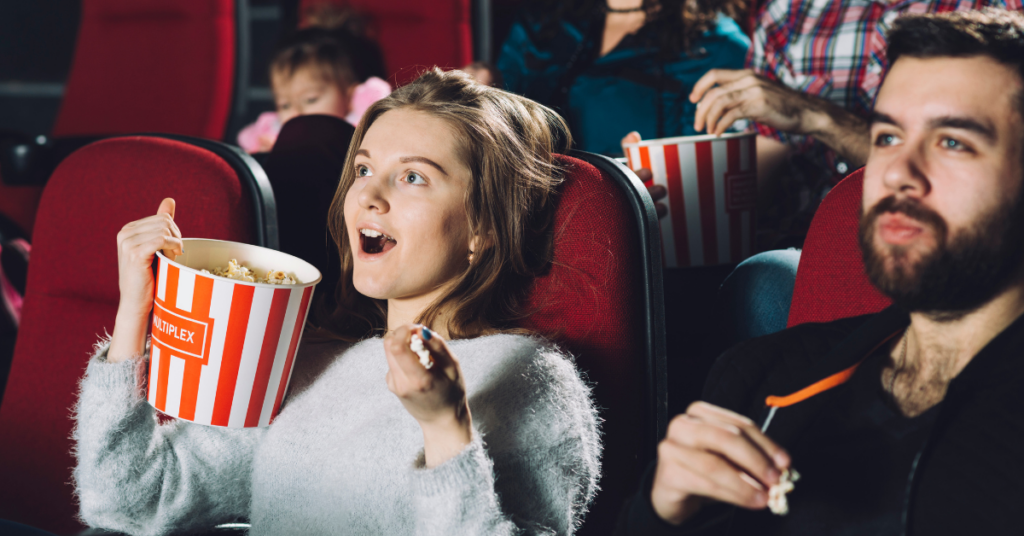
(343, 456)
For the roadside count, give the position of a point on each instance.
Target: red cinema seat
(18, 204)
(72, 291)
(151, 66)
(830, 280)
(414, 34)
(602, 301)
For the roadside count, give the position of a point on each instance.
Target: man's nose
(904, 174)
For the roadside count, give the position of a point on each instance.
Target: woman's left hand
(436, 398)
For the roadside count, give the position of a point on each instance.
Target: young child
(319, 70)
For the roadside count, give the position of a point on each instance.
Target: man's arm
(725, 96)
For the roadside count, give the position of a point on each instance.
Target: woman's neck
(624, 4)
(618, 25)
(402, 311)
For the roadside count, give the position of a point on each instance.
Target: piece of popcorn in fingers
(777, 502)
(417, 347)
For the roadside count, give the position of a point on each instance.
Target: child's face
(307, 92)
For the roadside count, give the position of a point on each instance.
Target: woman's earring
(470, 256)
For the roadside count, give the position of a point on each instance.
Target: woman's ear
(476, 244)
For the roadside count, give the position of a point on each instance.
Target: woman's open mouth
(375, 242)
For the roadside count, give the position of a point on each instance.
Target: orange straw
(820, 386)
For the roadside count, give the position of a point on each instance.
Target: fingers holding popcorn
(713, 453)
(429, 394)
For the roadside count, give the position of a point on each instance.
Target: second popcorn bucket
(712, 194)
(222, 349)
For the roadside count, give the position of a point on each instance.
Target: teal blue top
(630, 88)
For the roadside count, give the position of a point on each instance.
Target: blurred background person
(619, 65)
(329, 67)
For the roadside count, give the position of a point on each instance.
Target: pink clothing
(260, 136)
(264, 130)
(367, 93)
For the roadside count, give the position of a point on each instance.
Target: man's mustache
(910, 208)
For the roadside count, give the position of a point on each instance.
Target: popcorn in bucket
(712, 193)
(222, 349)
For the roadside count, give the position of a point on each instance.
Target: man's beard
(957, 276)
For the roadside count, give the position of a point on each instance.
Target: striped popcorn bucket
(222, 350)
(712, 193)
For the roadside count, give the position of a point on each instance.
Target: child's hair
(339, 47)
(509, 144)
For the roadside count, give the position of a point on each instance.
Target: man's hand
(726, 96)
(713, 453)
(656, 191)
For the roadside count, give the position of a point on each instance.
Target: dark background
(37, 43)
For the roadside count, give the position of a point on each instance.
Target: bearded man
(909, 421)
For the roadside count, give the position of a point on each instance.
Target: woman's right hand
(137, 243)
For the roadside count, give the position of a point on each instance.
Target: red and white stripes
(712, 193)
(222, 351)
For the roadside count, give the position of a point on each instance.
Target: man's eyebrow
(422, 160)
(363, 152)
(985, 130)
(879, 117)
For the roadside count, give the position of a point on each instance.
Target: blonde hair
(509, 144)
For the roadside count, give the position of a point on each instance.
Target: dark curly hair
(676, 24)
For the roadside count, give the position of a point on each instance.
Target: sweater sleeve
(137, 476)
(533, 465)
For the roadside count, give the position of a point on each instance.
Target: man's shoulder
(739, 375)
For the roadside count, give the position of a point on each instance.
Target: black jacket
(969, 476)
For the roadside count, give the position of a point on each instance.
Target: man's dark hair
(995, 33)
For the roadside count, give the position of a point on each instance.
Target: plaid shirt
(834, 49)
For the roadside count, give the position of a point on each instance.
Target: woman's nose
(373, 195)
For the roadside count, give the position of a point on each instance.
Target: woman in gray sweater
(442, 219)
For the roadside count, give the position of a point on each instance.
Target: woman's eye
(414, 178)
(885, 140)
(363, 171)
(312, 100)
(284, 106)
